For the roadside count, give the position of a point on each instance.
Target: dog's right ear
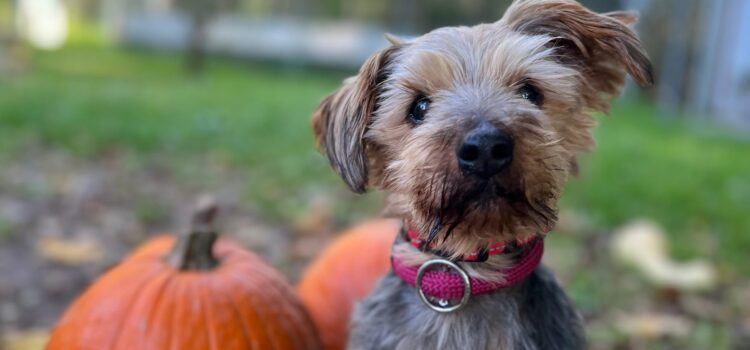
(340, 121)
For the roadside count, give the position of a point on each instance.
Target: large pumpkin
(192, 292)
(345, 273)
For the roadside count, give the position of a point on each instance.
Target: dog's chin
(487, 211)
(484, 195)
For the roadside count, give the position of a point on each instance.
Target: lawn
(692, 178)
(89, 101)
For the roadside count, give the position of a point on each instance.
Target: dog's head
(474, 130)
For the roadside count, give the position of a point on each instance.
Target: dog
(472, 132)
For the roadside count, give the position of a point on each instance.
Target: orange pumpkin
(345, 273)
(191, 292)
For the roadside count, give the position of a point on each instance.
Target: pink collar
(478, 256)
(450, 285)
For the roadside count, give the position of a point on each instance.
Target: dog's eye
(531, 93)
(418, 109)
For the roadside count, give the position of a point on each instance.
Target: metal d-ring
(464, 277)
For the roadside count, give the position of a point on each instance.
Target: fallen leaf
(653, 325)
(27, 340)
(643, 245)
(74, 251)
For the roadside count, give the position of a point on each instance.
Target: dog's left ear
(600, 45)
(341, 119)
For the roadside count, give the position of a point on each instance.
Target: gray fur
(533, 315)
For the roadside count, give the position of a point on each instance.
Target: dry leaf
(28, 340)
(652, 325)
(643, 245)
(72, 251)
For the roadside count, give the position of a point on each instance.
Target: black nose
(485, 151)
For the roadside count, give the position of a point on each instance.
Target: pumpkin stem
(194, 250)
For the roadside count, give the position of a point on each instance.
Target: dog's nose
(485, 151)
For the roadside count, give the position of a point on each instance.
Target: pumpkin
(189, 292)
(344, 273)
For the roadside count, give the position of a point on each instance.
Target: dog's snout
(485, 151)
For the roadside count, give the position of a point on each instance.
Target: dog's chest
(394, 318)
(535, 314)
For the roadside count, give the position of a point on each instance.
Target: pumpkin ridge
(160, 296)
(101, 289)
(278, 280)
(204, 305)
(180, 293)
(238, 316)
(170, 313)
(131, 309)
(258, 311)
(71, 319)
(295, 319)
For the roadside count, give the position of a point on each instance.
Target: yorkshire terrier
(472, 132)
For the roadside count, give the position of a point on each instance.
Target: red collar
(449, 285)
(478, 256)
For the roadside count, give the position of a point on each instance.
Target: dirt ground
(63, 221)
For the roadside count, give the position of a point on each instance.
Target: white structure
(704, 57)
(334, 44)
(43, 23)
(721, 84)
(707, 74)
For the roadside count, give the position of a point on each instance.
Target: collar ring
(438, 307)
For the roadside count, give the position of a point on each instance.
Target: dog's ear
(600, 45)
(341, 119)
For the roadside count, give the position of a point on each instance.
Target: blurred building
(701, 51)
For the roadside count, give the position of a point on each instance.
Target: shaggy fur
(576, 59)
(535, 315)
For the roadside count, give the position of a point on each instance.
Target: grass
(690, 178)
(91, 99)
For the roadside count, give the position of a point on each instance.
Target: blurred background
(116, 114)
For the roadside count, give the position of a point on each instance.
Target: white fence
(336, 44)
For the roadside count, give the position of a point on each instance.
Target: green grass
(91, 99)
(693, 179)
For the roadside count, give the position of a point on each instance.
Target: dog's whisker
(542, 160)
(434, 230)
(551, 143)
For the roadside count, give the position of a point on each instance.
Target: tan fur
(577, 59)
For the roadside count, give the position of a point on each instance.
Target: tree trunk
(196, 46)
(13, 53)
